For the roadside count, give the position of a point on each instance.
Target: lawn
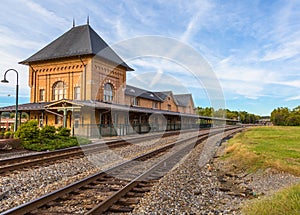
(284, 202)
(263, 147)
(269, 147)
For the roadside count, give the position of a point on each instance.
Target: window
(76, 123)
(154, 104)
(77, 93)
(76, 119)
(135, 101)
(169, 107)
(106, 119)
(58, 90)
(58, 120)
(41, 121)
(42, 95)
(108, 93)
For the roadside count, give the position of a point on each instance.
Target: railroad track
(28, 161)
(115, 189)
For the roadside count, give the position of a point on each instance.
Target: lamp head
(4, 81)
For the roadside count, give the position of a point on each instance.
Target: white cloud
(291, 83)
(293, 98)
(49, 17)
(231, 69)
(285, 35)
(9, 41)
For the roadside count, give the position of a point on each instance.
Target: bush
(47, 132)
(46, 138)
(64, 132)
(7, 134)
(28, 131)
(52, 144)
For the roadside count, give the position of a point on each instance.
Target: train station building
(78, 81)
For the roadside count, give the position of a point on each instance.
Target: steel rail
(146, 176)
(42, 157)
(30, 206)
(27, 207)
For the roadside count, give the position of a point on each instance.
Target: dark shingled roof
(103, 105)
(183, 99)
(25, 107)
(78, 41)
(163, 95)
(138, 92)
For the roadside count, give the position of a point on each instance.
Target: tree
(207, 111)
(244, 116)
(280, 116)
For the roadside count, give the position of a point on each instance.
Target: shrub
(7, 134)
(28, 131)
(47, 138)
(47, 132)
(65, 132)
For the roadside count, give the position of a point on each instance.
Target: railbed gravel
(23, 186)
(208, 186)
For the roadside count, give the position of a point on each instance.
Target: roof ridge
(182, 94)
(90, 38)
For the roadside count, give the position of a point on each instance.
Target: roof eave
(27, 62)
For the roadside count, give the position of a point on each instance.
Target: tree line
(285, 116)
(243, 116)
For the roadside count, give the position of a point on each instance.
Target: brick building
(79, 82)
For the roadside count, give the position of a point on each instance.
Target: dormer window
(108, 93)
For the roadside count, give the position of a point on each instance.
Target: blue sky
(252, 46)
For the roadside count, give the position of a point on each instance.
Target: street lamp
(17, 95)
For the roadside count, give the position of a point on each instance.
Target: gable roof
(62, 102)
(138, 92)
(78, 41)
(163, 95)
(183, 99)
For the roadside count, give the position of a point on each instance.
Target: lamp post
(17, 95)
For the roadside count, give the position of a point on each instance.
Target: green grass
(286, 201)
(267, 147)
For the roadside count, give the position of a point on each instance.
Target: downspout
(84, 78)
(34, 79)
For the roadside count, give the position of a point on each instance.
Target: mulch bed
(8, 145)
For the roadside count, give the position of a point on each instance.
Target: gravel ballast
(196, 187)
(21, 186)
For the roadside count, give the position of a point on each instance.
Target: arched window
(108, 93)
(58, 90)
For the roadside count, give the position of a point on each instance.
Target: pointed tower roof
(78, 41)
